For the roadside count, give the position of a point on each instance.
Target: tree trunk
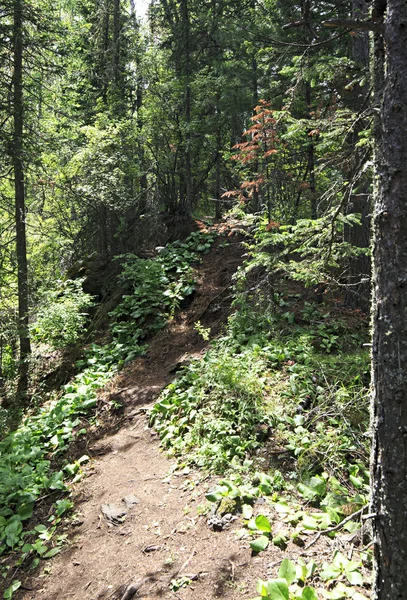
(218, 206)
(311, 157)
(358, 293)
(104, 75)
(116, 44)
(19, 195)
(186, 202)
(389, 361)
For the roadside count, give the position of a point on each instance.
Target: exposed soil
(139, 531)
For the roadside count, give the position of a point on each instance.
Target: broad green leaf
(88, 403)
(262, 523)
(301, 572)
(51, 552)
(278, 589)
(325, 521)
(287, 571)
(12, 532)
(54, 441)
(308, 593)
(261, 588)
(83, 459)
(330, 572)
(358, 596)
(252, 525)
(318, 485)
(335, 516)
(247, 511)
(354, 577)
(13, 588)
(357, 482)
(213, 496)
(282, 507)
(26, 510)
(309, 522)
(351, 526)
(311, 568)
(340, 591)
(260, 543)
(339, 560)
(280, 539)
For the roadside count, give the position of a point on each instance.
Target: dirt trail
(164, 537)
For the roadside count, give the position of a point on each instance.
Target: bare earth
(164, 539)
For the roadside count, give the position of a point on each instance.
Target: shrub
(61, 320)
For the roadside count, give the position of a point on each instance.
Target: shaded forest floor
(140, 527)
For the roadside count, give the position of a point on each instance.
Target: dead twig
(186, 563)
(336, 527)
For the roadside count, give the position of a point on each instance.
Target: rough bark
(358, 291)
(116, 43)
(389, 361)
(19, 196)
(186, 199)
(311, 156)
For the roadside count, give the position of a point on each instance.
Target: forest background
(118, 132)
(117, 135)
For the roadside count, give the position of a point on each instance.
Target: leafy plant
(260, 524)
(61, 320)
(156, 289)
(283, 587)
(9, 592)
(214, 409)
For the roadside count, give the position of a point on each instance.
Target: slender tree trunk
(140, 124)
(218, 206)
(311, 158)
(256, 203)
(19, 195)
(116, 44)
(104, 75)
(187, 201)
(389, 361)
(358, 291)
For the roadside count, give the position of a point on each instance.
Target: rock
(130, 500)
(132, 590)
(114, 514)
(219, 523)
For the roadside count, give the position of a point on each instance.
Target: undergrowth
(33, 457)
(279, 408)
(290, 372)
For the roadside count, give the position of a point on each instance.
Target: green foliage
(156, 289)
(30, 457)
(61, 320)
(292, 580)
(234, 489)
(311, 251)
(9, 592)
(266, 369)
(33, 461)
(213, 410)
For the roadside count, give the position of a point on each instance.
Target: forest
(202, 299)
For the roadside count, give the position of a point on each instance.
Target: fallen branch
(336, 527)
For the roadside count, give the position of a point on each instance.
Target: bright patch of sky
(141, 7)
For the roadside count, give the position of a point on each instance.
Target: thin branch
(355, 24)
(336, 527)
